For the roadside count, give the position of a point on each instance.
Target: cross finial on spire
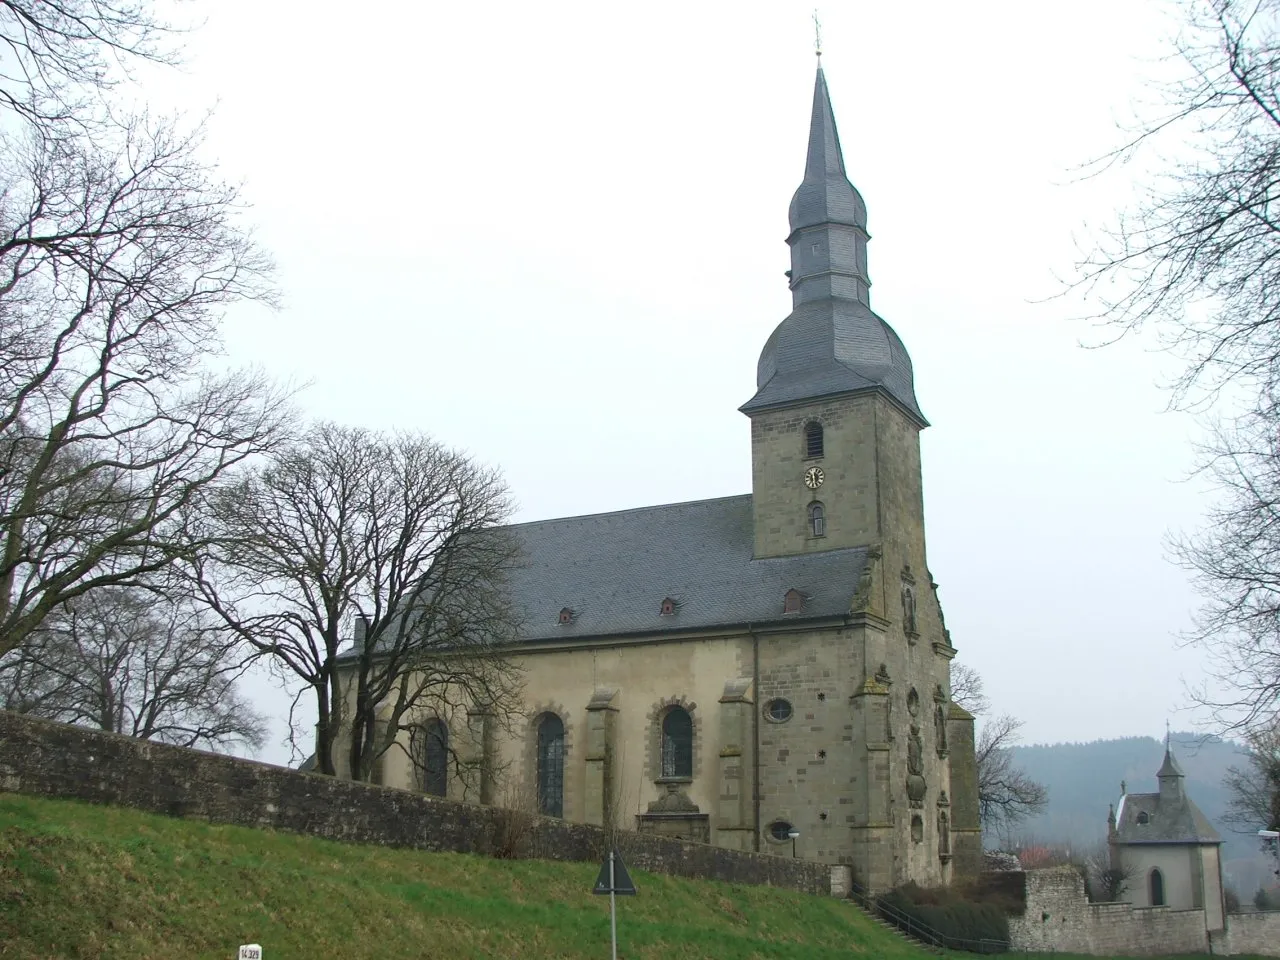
(817, 35)
(1167, 734)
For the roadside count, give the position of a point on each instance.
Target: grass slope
(83, 881)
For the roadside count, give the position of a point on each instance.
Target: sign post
(614, 879)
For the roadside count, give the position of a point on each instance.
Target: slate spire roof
(1165, 817)
(832, 343)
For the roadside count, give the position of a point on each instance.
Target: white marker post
(613, 909)
(250, 951)
(614, 879)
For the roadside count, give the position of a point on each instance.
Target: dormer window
(566, 615)
(812, 439)
(668, 607)
(1144, 818)
(817, 520)
(793, 602)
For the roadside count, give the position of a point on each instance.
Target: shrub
(1232, 900)
(940, 916)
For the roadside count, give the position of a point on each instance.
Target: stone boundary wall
(1254, 933)
(1059, 918)
(48, 759)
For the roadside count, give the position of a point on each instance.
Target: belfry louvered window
(551, 766)
(677, 743)
(813, 439)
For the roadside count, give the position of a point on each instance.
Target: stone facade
(1059, 919)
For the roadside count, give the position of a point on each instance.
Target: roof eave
(754, 406)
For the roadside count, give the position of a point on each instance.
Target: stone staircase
(865, 906)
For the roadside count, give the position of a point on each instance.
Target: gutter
(755, 736)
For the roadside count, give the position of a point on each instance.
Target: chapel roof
(612, 572)
(1169, 816)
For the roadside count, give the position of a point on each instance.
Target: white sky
(553, 234)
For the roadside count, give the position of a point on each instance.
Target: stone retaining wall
(56, 760)
(1060, 919)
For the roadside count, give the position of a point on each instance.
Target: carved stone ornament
(940, 729)
(916, 786)
(674, 800)
(862, 595)
(909, 612)
(882, 675)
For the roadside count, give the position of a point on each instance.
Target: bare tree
(1254, 789)
(967, 689)
(115, 259)
(59, 57)
(1107, 879)
(1006, 795)
(1235, 563)
(133, 662)
(1198, 259)
(371, 567)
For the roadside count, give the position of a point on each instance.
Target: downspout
(755, 736)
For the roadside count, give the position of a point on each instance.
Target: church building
(764, 672)
(1166, 850)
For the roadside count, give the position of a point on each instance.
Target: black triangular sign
(622, 883)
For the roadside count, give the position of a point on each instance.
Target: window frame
(429, 778)
(1155, 882)
(670, 756)
(816, 519)
(769, 714)
(546, 766)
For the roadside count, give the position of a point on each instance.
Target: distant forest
(1083, 778)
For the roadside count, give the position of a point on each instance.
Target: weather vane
(817, 34)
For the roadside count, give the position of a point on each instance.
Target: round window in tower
(778, 710)
(780, 830)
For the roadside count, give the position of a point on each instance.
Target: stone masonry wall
(56, 760)
(1252, 933)
(1060, 919)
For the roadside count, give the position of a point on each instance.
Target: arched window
(677, 743)
(813, 439)
(817, 520)
(435, 757)
(551, 765)
(1157, 887)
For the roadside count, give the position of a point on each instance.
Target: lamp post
(793, 834)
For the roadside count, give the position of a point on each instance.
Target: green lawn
(83, 881)
(87, 882)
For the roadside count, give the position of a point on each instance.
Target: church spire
(828, 217)
(832, 343)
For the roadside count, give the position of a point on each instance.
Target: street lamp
(793, 834)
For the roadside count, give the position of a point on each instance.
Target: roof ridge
(612, 513)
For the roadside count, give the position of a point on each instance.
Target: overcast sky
(553, 234)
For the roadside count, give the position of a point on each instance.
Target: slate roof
(831, 344)
(613, 570)
(825, 195)
(1171, 817)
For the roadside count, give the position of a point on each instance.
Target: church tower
(834, 421)
(835, 447)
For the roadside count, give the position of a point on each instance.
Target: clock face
(813, 478)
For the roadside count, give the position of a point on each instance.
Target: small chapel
(766, 672)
